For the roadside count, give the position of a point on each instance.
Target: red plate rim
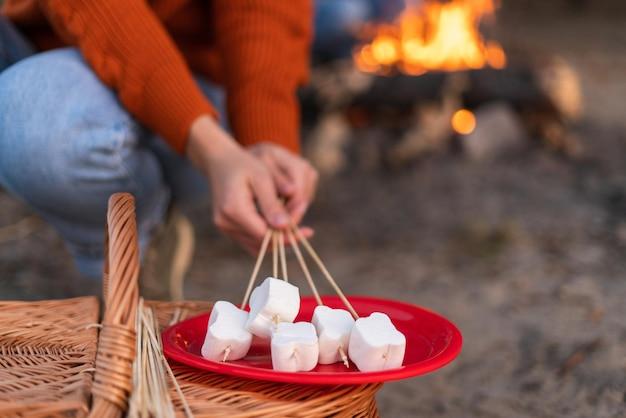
(174, 351)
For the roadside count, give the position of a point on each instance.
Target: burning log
(419, 110)
(553, 89)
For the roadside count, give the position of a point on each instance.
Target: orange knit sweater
(257, 49)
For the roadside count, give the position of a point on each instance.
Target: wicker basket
(49, 364)
(47, 356)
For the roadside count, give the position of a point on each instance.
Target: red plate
(431, 342)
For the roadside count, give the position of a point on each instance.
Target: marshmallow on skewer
(294, 347)
(333, 330)
(226, 337)
(273, 301)
(376, 344)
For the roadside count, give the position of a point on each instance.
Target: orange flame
(432, 36)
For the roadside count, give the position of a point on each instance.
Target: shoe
(168, 258)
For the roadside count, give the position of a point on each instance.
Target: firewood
(414, 112)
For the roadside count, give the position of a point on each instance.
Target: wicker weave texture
(47, 357)
(215, 395)
(116, 344)
(50, 349)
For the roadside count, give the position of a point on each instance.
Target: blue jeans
(66, 145)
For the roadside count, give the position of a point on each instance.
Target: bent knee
(63, 132)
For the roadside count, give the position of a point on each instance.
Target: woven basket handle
(116, 346)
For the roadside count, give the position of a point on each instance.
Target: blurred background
(473, 160)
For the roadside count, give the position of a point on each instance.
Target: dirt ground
(526, 253)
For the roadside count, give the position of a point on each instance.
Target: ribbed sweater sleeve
(264, 45)
(130, 51)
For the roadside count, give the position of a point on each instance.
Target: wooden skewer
(278, 240)
(283, 258)
(226, 353)
(344, 357)
(307, 274)
(150, 358)
(276, 321)
(324, 270)
(278, 250)
(275, 254)
(305, 269)
(179, 391)
(257, 266)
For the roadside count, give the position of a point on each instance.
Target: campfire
(431, 81)
(432, 36)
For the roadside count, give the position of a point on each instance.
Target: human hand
(294, 177)
(239, 182)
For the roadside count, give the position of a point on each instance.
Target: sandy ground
(526, 254)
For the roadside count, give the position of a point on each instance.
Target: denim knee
(65, 138)
(66, 144)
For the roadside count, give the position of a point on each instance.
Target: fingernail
(280, 219)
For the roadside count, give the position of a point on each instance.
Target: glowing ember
(432, 36)
(463, 122)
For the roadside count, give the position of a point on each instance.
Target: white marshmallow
(333, 328)
(226, 337)
(294, 347)
(376, 344)
(271, 302)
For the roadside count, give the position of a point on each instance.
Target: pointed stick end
(344, 357)
(226, 353)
